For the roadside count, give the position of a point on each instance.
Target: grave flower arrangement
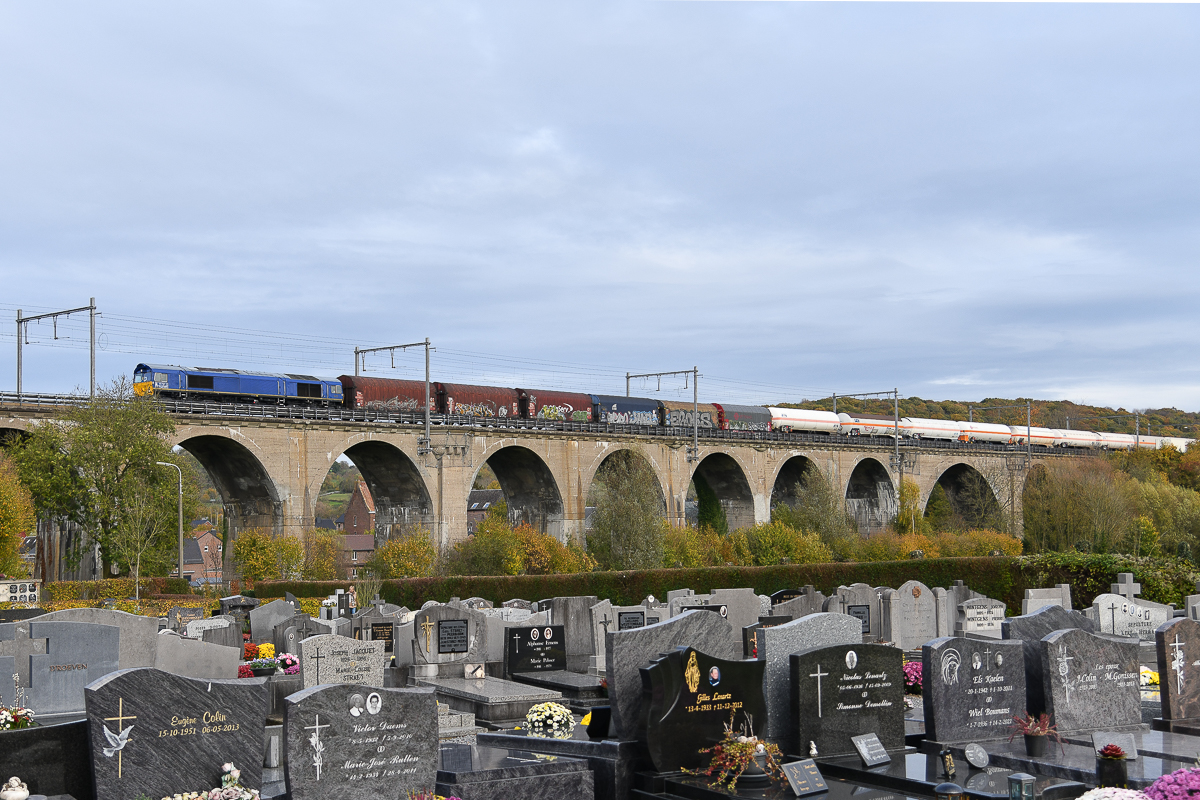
(1112, 793)
(1149, 677)
(912, 677)
(734, 754)
(17, 715)
(249, 651)
(1111, 751)
(244, 671)
(1036, 731)
(289, 663)
(230, 789)
(552, 720)
(266, 650)
(1181, 784)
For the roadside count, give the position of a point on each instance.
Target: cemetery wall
(1002, 578)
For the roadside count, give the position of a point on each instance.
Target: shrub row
(1003, 578)
(114, 588)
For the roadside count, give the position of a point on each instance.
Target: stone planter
(1036, 746)
(263, 672)
(1112, 772)
(756, 772)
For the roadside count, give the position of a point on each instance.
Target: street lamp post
(180, 471)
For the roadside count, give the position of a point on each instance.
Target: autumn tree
(254, 555)
(17, 517)
(410, 554)
(819, 508)
(323, 559)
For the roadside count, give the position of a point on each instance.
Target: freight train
(495, 402)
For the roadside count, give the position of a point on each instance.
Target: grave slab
(475, 772)
(138, 642)
(909, 615)
(1125, 617)
(193, 658)
(491, 700)
(980, 616)
(1178, 650)
(264, 618)
(1035, 599)
(613, 762)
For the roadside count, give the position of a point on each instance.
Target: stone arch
(871, 495)
(970, 495)
(603, 459)
(725, 477)
(788, 478)
(401, 498)
(530, 489)
(250, 496)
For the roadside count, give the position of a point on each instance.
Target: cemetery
(855, 690)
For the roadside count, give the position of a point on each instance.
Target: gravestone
(1091, 682)
(289, 633)
(60, 659)
(517, 603)
(909, 615)
(365, 743)
(535, 648)
(178, 617)
(265, 618)
(1125, 586)
(627, 651)
(981, 616)
(477, 603)
(239, 607)
(223, 630)
(971, 688)
(607, 617)
(864, 604)
(690, 698)
(1124, 617)
(806, 600)
(574, 614)
(329, 658)
(138, 634)
(846, 690)
(775, 646)
(783, 595)
(1059, 595)
(156, 734)
(193, 658)
(1178, 647)
(1029, 629)
(19, 614)
(743, 606)
(447, 636)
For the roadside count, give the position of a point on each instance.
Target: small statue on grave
(15, 789)
(812, 748)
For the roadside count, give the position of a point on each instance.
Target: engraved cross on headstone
(427, 626)
(315, 742)
(818, 675)
(1126, 587)
(1112, 609)
(606, 622)
(316, 659)
(1177, 661)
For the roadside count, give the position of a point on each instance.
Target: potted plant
(1111, 768)
(741, 756)
(17, 715)
(261, 667)
(1036, 730)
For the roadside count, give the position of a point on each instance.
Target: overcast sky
(959, 200)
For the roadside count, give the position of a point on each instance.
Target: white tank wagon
(1179, 443)
(801, 419)
(985, 432)
(1042, 437)
(1117, 441)
(868, 425)
(919, 428)
(1074, 438)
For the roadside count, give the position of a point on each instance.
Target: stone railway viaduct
(269, 470)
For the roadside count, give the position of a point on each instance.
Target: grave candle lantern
(948, 791)
(1020, 786)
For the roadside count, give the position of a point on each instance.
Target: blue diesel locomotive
(235, 386)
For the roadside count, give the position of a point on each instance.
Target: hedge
(1003, 578)
(118, 588)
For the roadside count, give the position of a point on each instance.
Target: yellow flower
(1149, 677)
(266, 650)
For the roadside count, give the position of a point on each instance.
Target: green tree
(17, 517)
(938, 511)
(627, 523)
(90, 466)
(254, 555)
(709, 513)
(140, 528)
(819, 508)
(323, 560)
(409, 555)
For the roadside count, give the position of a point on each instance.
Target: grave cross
(606, 622)
(1113, 613)
(818, 675)
(1177, 661)
(1126, 587)
(427, 626)
(316, 659)
(119, 719)
(517, 639)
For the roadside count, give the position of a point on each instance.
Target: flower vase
(598, 726)
(1035, 746)
(1112, 772)
(755, 773)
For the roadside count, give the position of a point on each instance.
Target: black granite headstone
(688, 699)
(1091, 682)
(1030, 628)
(360, 742)
(536, 649)
(720, 609)
(19, 614)
(972, 688)
(750, 640)
(861, 612)
(783, 595)
(157, 734)
(1178, 646)
(845, 690)
(452, 636)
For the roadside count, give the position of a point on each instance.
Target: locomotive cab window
(200, 381)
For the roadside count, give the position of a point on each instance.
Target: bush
(499, 549)
(410, 555)
(627, 523)
(774, 542)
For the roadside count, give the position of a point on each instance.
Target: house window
(354, 556)
(356, 520)
(206, 548)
